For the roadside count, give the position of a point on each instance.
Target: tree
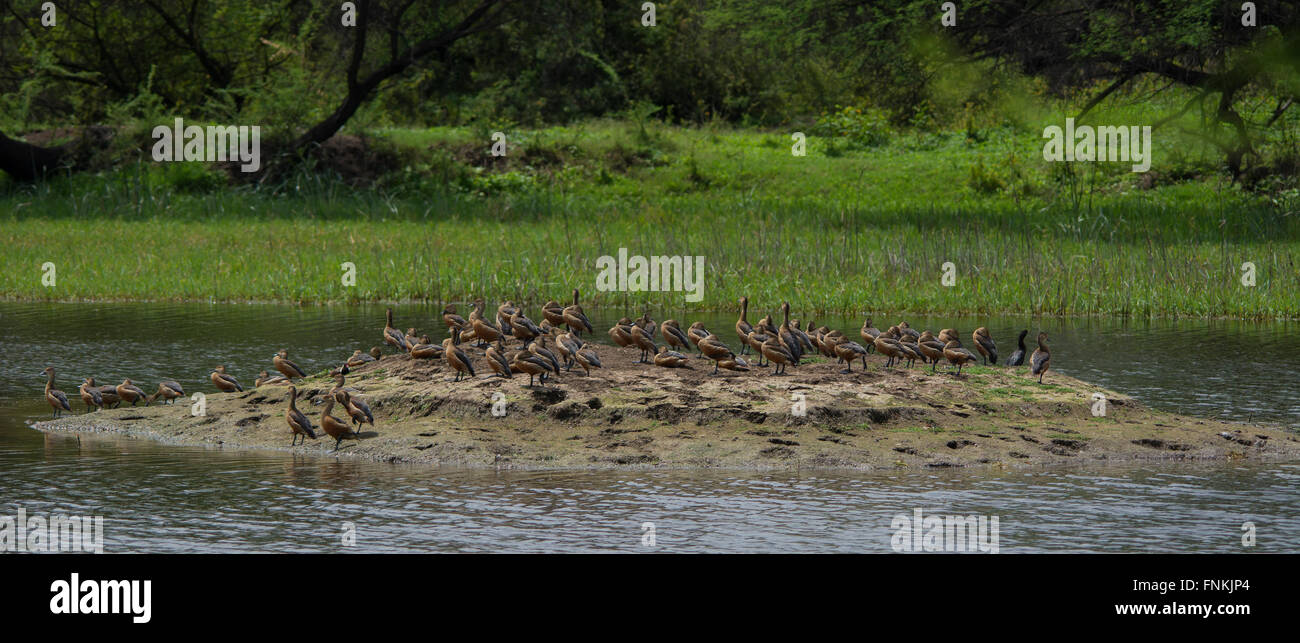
(1198, 44)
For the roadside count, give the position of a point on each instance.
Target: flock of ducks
(777, 346)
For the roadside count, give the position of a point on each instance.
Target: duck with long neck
(1041, 360)
(787, 336)
(743, 329)
(54, 397)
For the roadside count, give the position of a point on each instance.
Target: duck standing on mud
(574, 318)
(57, 399)
(168, 390)
(129, 392)
(457, 359)
(392, 336)
(299, 425)
(1041, 360)
(334, 427)
(984, 344)
(90, 395)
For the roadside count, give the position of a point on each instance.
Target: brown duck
(392, 336)
(129, 392)
(668, 358)
(1041, 360)
(457, 359)
(984, 345)
(958, 356)
(334, 427)
(224, 382)
(587, 358)
(90, 395)
(574, 318)
(777, 355)
(299, 425)
(265, 379)
(743, 329)
(286, 367)
(168, 390)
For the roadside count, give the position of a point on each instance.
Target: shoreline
(636, 416)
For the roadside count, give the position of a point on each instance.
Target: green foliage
(858, 128)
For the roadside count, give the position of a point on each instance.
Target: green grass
(862, 230)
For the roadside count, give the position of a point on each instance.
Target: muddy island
(631, 415)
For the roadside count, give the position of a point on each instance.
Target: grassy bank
(844, 229)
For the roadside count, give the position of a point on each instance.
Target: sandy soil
(640, 415)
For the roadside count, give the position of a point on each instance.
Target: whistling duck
(457, 359)
(453, 321)
(869, 334)
(931, 348)
(957, 355)
(668, 358)
(787, 336)
(949, 335)
(553, 313)
(905, 330)
(334, 427)
(743, 329)
(765, 324)
(1041, 360)
(299, 425)
(411, 338)
(984, 344)
(697, 332)
(715, 350)
(108, 393)
(90, 395)
(574, 318)
(375, 352)
(392, 336)
(587, 358)
(777, 354)
(539, 349)
(476, 310)
(356, 407)
(485, 331)
(622, 333)
(642, 339)
(426, 349)
(263, 379)
(526, 362)
(224, 382)
(168, 390)
(1017, 358)
(648, 325)
(496, 357)
(804, 339)
(828, 341)
(848, 351)
(756, 340)
(57, 399)
(358, 358)
(286, 367)
(911, 351)
(504, 312)
(340, 384)
(523, 328)
(887, 345)
(567, 344)
(129, 392)
(674, 336)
